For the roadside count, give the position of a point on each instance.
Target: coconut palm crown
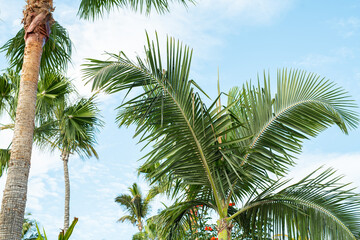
(230, 154)
(136, 205)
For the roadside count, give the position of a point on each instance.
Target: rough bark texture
(65, 158)
(224, 229)
(14, 198)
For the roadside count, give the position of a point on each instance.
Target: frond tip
(93, 9)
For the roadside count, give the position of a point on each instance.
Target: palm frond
(303, 106)
(52, 88)
(169, 113)
(127, 218)
(4, 160)
(317, 207)
(9, 82)
(93, 9)
(56, 52)
(78, 125)
(183, 216)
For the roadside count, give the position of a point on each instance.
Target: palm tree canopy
(92, 9)
(209, 146)
(135, 204)
(56, 51)
(76, 126)
(228, 153)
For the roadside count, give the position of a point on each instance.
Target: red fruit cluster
(199, 205)
(208, 229)
(231, 204)
(214, 238)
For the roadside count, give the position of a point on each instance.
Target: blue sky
(242, 38)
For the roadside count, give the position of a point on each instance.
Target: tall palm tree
(136, 205)
(74, 130)
(223, 155)
(38, 21)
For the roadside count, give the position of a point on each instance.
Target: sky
(241, 38)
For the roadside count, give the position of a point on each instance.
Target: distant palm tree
(135, 205)
(225, 155)
(74, 131)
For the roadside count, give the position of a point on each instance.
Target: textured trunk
(65, 158)
(37, 18)
(224, 229)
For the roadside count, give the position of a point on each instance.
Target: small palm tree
(74, 131)
(222, 155)
(135, 205)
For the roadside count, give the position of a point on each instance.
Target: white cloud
(348, 27)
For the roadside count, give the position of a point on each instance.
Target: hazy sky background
(242, 38)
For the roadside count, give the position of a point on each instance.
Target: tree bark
(65, 158)
(37, 20)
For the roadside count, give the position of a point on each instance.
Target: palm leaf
(4, 160)
(127, 218)
(9, 83)
(92, 9)
(303, 106)
(77, 126)
(176, 220)
(56, 52)
(317, 207)
(169, 113)
(52, 88)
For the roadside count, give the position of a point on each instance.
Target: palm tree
(225, 155)
(136, 206)
(38, 21)
(74, 130)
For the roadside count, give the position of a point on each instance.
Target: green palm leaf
(168, 113)
(56, 52)
(9, 83)
(76, 126)
(4, 160)
(304, 105)
(52, 88)
(127, 218)
(92, 9)
(317, 207)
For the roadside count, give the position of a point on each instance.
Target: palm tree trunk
(37, 20)
(65, 158)
(224, 229)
